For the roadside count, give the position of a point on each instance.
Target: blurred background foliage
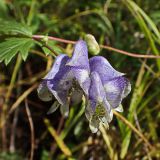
(125, 24)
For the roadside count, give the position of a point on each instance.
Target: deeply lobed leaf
(10, 47)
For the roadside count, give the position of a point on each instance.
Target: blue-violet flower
(70, 78)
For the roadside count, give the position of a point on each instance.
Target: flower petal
(106, 72)
(99, 115)
(59, 79)
(54, 107)
(58, 65)
(79, 58)
(82, 76)
(94, 125)
(116, 86)
(65, 110)
(119, 108)
(98, 109)
(44, 93)
(79, 64)
(76, 97)
(96, 91)
(116, 89)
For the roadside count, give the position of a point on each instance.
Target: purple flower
(67, 79)
(107, 89)
(70, 78)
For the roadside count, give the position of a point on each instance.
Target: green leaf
(14, 28)
(148, 20)
(12, 46)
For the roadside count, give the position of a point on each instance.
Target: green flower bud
(93, 46)
(45, 39)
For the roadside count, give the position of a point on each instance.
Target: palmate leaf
(14, 28)
(12, 46)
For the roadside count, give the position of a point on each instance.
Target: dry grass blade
(57, 138)
(133, 128)
(111, 152)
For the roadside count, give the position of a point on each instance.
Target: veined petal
(79, 64)
(59, 79)
(82, 77)
(98, 109)
(90, 114)
(44, 93)
(100, 114)
(58, 65)
(76, 97)
(79, 58)
(106, 72)
(116, 85)
(116, 89)
(96, 91)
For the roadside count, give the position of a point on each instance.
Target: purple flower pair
(71, 78)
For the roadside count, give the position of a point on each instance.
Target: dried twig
(22, 97)
(139, 128)
(31, 128)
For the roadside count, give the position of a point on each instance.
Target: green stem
(13, 78)
(11, 86)
(5, 106)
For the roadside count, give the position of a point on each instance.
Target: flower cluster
(71, 78)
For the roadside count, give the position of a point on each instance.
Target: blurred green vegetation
(124, 24)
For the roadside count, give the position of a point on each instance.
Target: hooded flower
(107, 89)
(66, 79)
(70, 78)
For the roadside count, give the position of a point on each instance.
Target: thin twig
(45, 45)
(54, 146)
(15, 119)
(139, 128)
(60, 125)
(31, 128)
(13, 132)
(22, 97)
(36, 37)
(136, 55)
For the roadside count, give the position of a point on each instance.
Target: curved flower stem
(136, 55)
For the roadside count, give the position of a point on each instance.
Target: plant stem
(136, 55)
(5, 106)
